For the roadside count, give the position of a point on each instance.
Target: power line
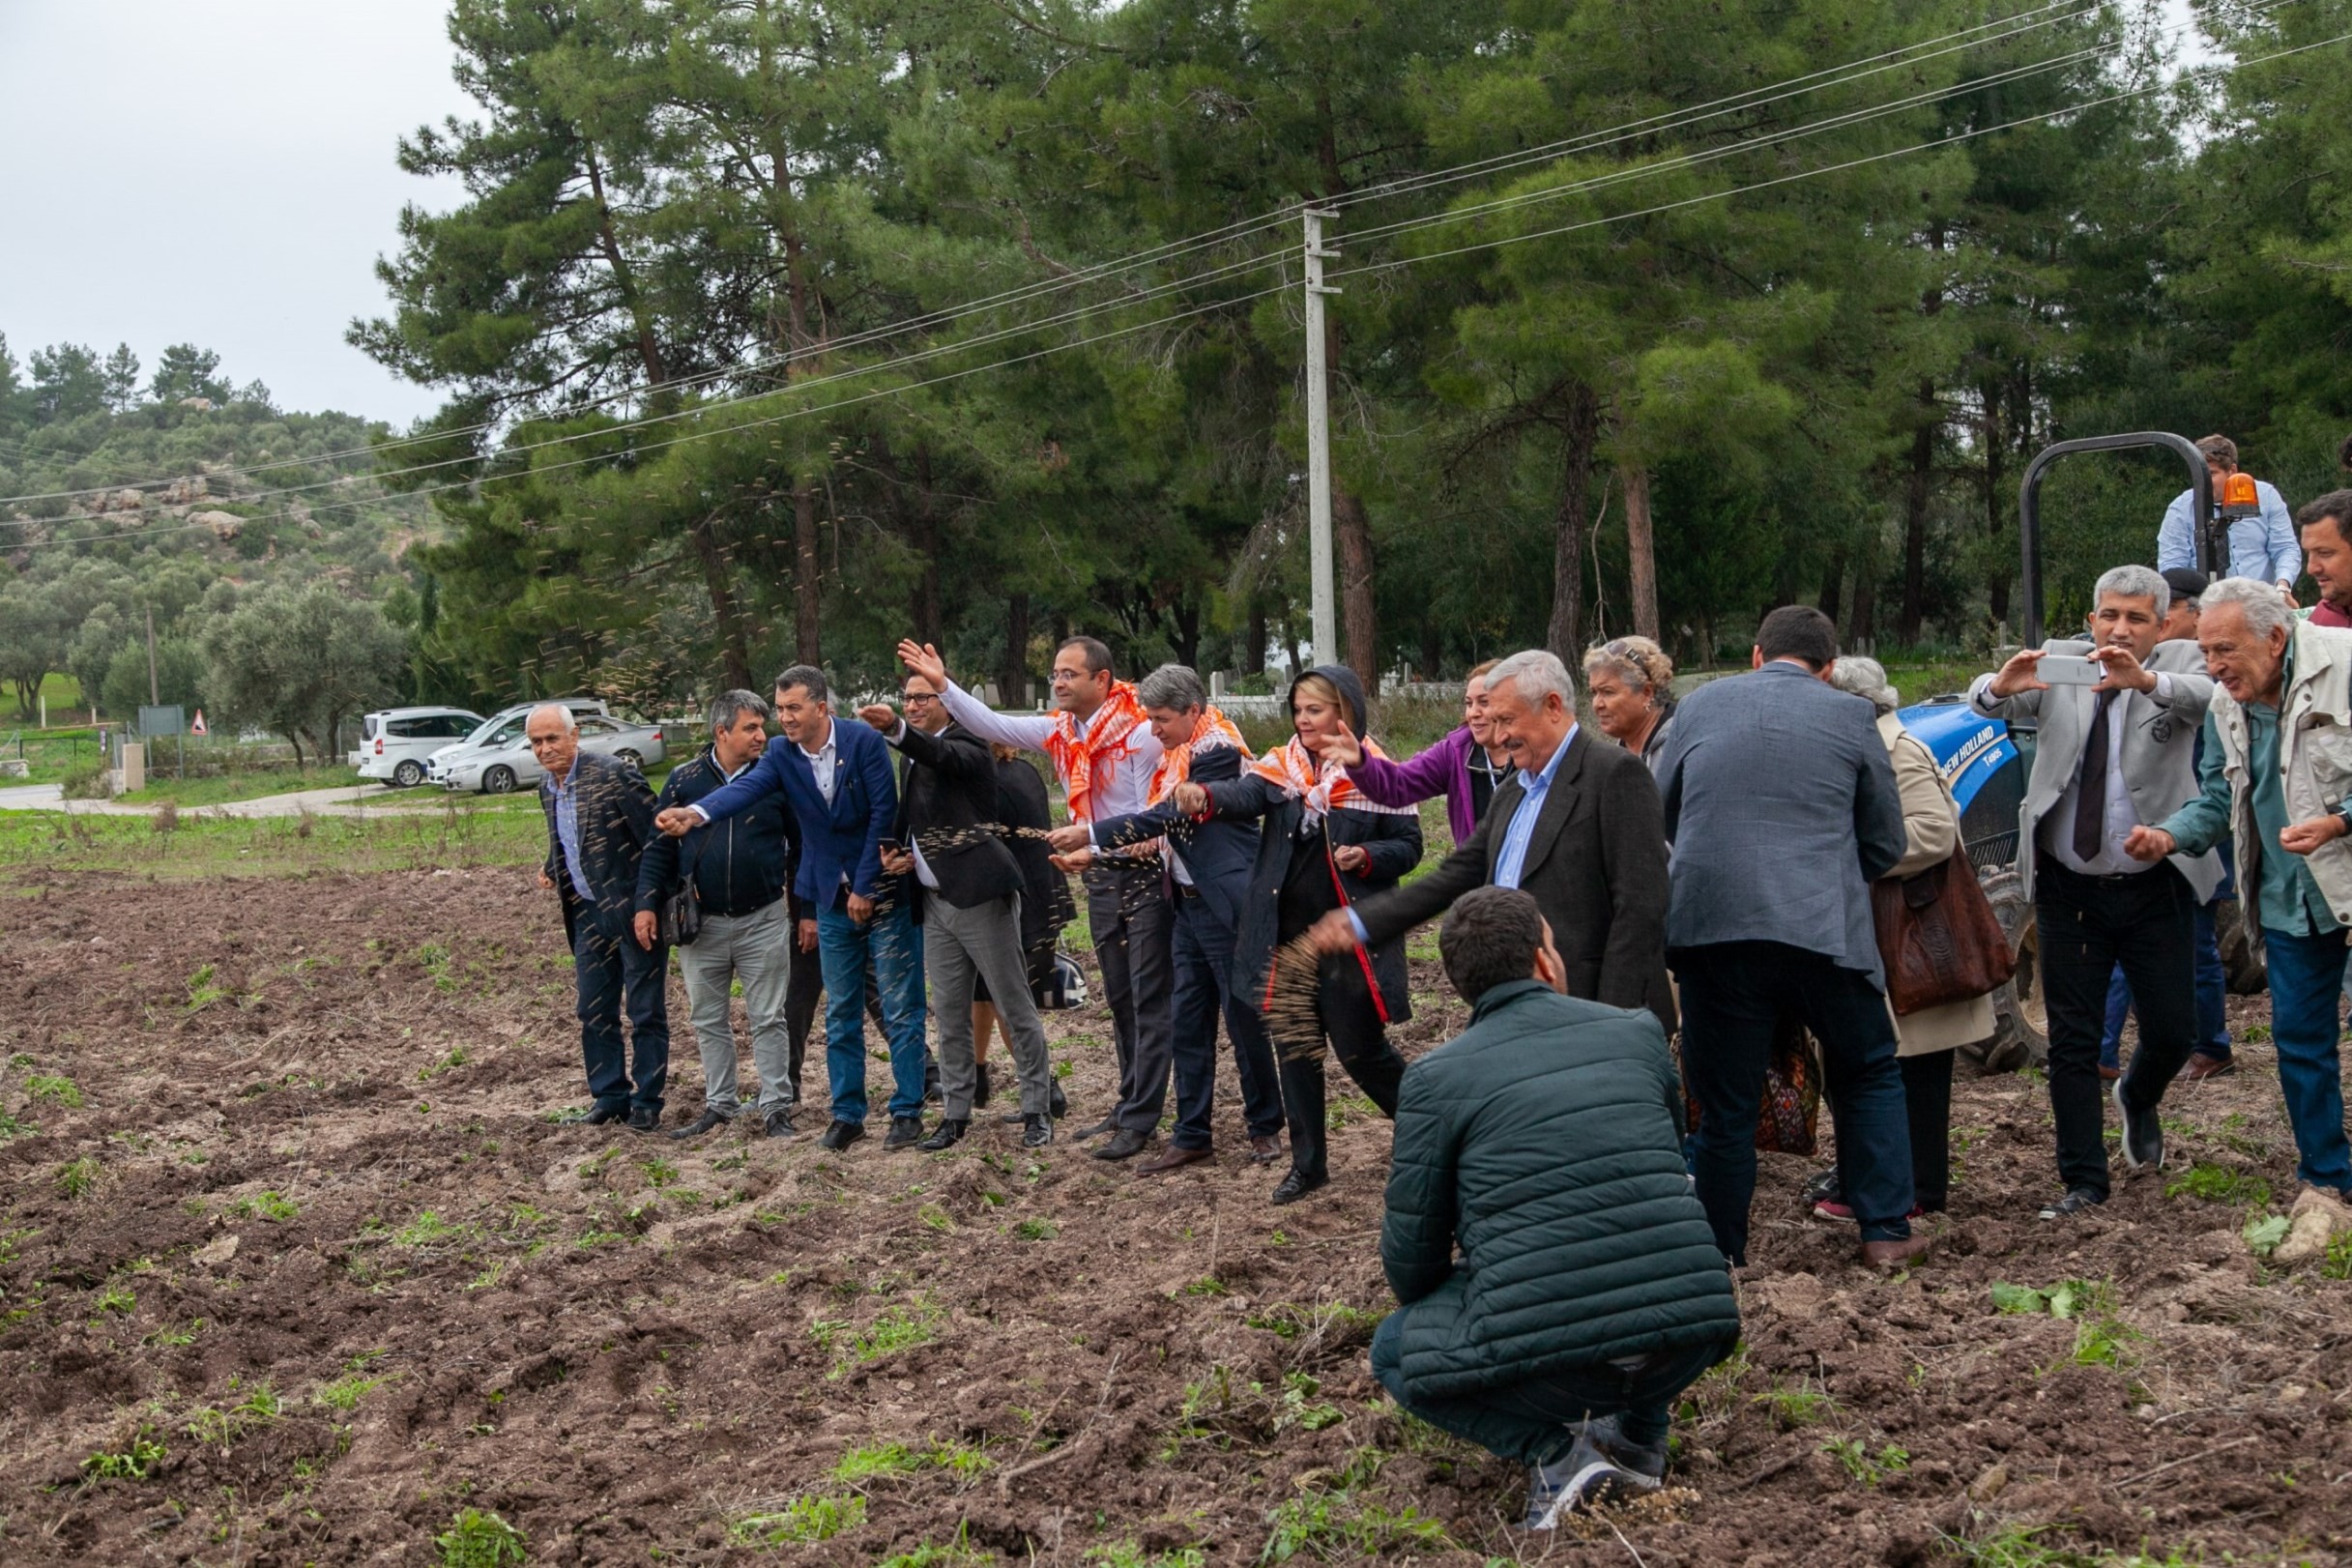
(1374, 267)
(1907, 55)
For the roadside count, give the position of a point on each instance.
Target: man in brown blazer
(1578, 828)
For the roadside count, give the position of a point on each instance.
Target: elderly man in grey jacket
(2113, 756)
(1781, 809)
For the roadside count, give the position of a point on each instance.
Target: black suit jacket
(1393, 840)
(615, 808)
(951, 784)
(1595, 867)
(1218, 853)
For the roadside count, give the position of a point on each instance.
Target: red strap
(1363, 958)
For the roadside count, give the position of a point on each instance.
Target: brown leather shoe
(2202, 1066)
(1176, 1159)
(1892, 1254)
(2110, 1074)
(1265, 1151)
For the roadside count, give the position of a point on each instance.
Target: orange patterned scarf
(1213, 730)
(1083, 760)
(1319, 786)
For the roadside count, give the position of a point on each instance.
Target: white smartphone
(2069, 670)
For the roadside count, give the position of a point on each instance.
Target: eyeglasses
(1064, 678)
(914, 697)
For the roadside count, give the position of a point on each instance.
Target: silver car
(498, 759)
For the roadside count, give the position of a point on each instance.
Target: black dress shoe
(778, 1123)
(643, 1119)
(701, 1124)
(1109, 1123)
(981, 1093)
(1125, 1143)
(598, 1115)
(905, 1132)
(2143, 1134)
(1058, 1104)
(1298, 1184)
(842, 1134)
(2078, 1200)
(1036, 1131)
(949, 1132)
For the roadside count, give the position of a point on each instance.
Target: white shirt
(1128, 789)
(824, 762)
(2057, 833)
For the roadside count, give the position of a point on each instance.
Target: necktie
(2091, 786)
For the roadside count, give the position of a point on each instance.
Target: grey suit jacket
(2158, 750)
(1781, 809)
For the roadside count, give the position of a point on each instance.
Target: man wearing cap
(2262, 548)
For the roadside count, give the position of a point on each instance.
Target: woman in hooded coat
(1321, 844)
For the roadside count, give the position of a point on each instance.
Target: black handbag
(680, 917)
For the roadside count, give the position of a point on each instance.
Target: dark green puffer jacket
(1546, 1139)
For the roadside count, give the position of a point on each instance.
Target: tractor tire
(2020, 1027)
(2242, 967)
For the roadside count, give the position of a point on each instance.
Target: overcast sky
(220, 172)
(217, 172)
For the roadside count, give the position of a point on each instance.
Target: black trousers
(1734, 994)
(1128, 915)
(1360, 1040)
(1927, 1097)
(612, 974)
(2087, 926)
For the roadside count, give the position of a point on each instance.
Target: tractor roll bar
(2211, 549)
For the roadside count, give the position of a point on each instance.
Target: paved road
(340, 800)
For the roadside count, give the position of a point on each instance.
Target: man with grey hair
(737, 871)
(2275, 785)
(2115, 755)
(599, 819)
(1578, 828)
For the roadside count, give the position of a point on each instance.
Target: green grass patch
(52, 1088)
(1333, 1321)
(802, 1520)
(1797, 1405)
(2218, 1185)
(344, 1393)
(267, 1205)
(1127, 1555)
(134, 1462)
(895, 1461)
(476, 1539)
(76, 1179)
(1343, 1520)
(430, 1230)
(1862, 1465)
(2020, 1546)
(507, 833)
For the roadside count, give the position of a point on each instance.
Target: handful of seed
(1294, 1001)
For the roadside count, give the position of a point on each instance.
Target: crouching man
(1545, 1142)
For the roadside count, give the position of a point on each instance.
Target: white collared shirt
(825, 760)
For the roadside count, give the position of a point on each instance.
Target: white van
(394, 744)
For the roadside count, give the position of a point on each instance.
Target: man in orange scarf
(1105, 755)
(1208, 875)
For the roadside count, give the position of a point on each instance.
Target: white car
(497, 759)
(395, 744)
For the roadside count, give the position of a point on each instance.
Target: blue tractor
(1987, 761)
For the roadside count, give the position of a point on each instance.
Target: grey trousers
(984, 940)
(755, 947)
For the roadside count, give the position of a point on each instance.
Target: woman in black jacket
(1321, 845)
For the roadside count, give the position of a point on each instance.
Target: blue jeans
(895, 944)
(610, 972)
(1534, 1419)
(2307, 980)
(2212, 986)
(1204, 950)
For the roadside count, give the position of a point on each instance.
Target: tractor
(1987, 761)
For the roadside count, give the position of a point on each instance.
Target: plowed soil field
(299, 1267)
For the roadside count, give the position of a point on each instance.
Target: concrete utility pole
(1318, 446)
(155, 693)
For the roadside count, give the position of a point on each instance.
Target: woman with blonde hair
(1630, 681)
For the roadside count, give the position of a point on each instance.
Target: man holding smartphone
(2119, 718)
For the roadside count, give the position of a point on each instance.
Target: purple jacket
(1444, 768)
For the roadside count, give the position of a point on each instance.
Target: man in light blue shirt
(2263, 547)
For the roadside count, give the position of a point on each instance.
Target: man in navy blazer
(839, 780)
(1208, 879)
